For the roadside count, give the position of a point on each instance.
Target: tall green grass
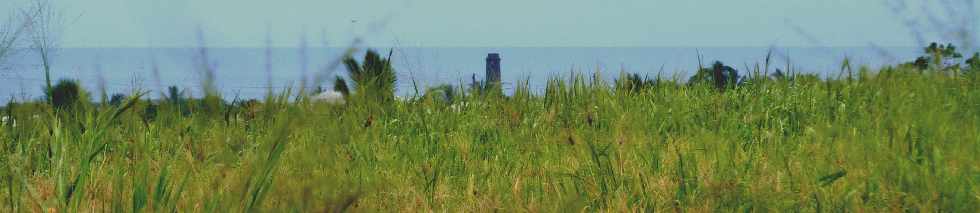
(893, 140)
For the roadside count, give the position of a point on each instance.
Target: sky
(496, 23)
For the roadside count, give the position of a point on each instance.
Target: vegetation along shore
(900, 138)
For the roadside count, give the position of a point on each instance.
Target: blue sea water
(245, 73)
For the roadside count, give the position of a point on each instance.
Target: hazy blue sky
(483, 22)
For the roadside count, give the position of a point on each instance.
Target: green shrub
(633, 83)
(445, 92)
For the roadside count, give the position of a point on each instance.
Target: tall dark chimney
(493, 69)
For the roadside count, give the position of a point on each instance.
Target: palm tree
(720, 75)
(374, 79)
(937, 56)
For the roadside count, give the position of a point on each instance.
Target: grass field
(897, 139)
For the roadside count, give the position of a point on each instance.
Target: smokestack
(493, 69)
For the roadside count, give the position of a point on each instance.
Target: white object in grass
(332, 97)
(7, 120)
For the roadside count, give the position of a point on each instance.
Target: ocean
(244, 72)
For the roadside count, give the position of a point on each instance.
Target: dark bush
(116, 99)
(719, 75)
(175, 95)
(973, 63)
(65, 94)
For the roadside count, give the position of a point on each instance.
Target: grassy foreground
(893, 140)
